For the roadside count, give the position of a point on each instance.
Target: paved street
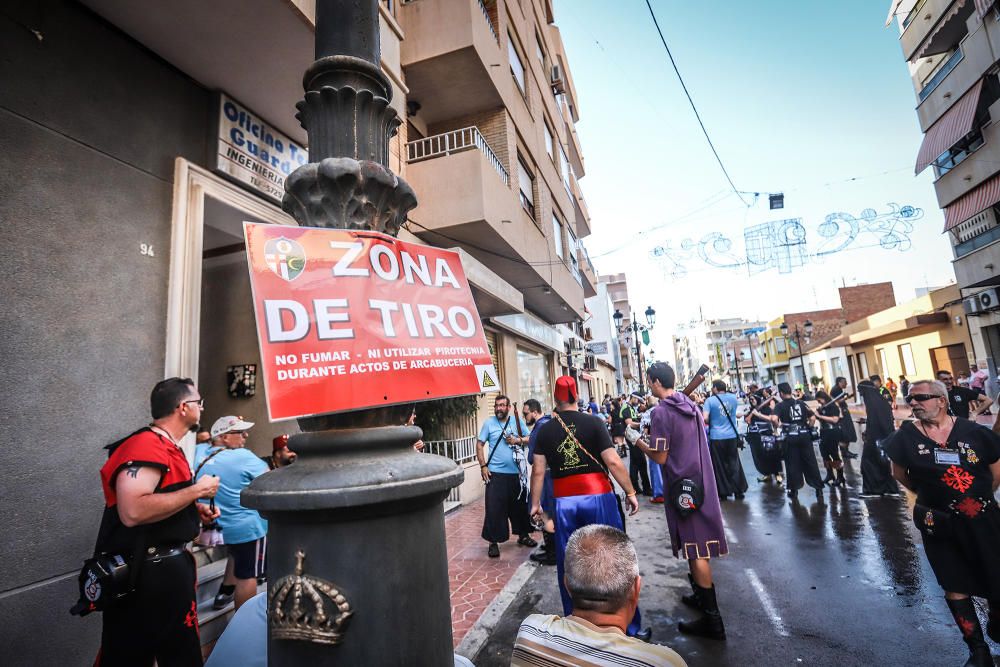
(842, 583)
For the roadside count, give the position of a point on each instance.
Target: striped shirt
(550, 641)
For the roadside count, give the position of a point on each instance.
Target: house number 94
(146, 249)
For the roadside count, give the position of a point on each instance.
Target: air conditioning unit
(557, 80)
(989, 299)
(970, 305)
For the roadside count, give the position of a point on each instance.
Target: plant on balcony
(435, 416)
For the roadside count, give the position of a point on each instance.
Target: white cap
(225, 425)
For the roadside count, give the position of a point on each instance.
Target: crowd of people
(557, 472)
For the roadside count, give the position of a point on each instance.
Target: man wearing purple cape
(679, 444)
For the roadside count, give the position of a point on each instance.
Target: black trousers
(505, 511)
(729, 476)
(159, 622)
(800, 461)
(637, 470)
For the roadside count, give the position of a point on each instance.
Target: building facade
(952, 48)
(139, 137)
(726, 346)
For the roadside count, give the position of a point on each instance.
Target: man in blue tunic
(578, 449)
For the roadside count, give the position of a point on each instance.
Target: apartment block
(952, 48)
(726, 346)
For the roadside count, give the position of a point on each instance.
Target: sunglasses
(912, 398)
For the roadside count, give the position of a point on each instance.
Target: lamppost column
(356, 560)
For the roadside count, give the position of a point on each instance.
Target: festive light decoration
(782, 244)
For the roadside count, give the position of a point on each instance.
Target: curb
(478, 634)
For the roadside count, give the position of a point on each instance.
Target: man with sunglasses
(953, 465)
(150, 515)
(243, 530)
(962, 401)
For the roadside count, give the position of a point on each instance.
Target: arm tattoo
(133, 471)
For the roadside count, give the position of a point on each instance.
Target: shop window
(533, 377)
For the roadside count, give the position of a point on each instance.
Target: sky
(812, 100)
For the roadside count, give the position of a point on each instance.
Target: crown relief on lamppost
(307, 608)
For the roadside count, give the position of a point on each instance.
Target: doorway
(210, 323)
(951, 358)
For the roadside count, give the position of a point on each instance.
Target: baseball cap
(565, 389)
(637, 395)
(280, 442)
(230, 423)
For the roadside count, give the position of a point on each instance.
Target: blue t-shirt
(493, 430)
(593, 407)
(533, 438)
(235, 468)
(719, 427)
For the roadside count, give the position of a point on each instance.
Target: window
(566, 170)
(906, 359)
(525, 182)
(557, 235)
(574, 263)
(883, 362)
(863, 365)
(549, 144)
(836, 368)
(955, 155)
(779, 345)
(533, 376)
(516, 66)
(540, 51)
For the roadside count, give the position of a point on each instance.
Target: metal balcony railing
(468, 138)
(489, 21)
(978, 231)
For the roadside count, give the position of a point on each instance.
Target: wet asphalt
(843, 582)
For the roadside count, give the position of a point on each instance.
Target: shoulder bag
(739, 438)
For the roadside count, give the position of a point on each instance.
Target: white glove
(631, 435)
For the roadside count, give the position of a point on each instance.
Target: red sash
(587, 484)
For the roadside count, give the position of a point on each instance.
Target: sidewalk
(474, 578)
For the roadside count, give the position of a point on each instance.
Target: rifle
(696, 381)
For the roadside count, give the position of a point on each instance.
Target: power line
(693, 107)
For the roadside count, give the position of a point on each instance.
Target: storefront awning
(931, 45)
(978, 199)
(984, 6)
(949, 128)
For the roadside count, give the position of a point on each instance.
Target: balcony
(977, 250)
(954, 75)
(977, 232)
(465, 199)
(448, 57)
(932, 25)
(976, 167)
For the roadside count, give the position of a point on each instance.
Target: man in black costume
(847, 430)
(876, 479)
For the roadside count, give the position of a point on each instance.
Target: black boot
(964, 612)
(710, 624)
(829, 476)
(546, 555)
(691, 600)
(841, 480)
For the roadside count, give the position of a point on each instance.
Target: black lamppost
(636, 329)
(807, 331)
(750, 335)
(357, 564)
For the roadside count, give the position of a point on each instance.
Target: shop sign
(533, 329)
(598, 347)
(254, 153)
(349, 320)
